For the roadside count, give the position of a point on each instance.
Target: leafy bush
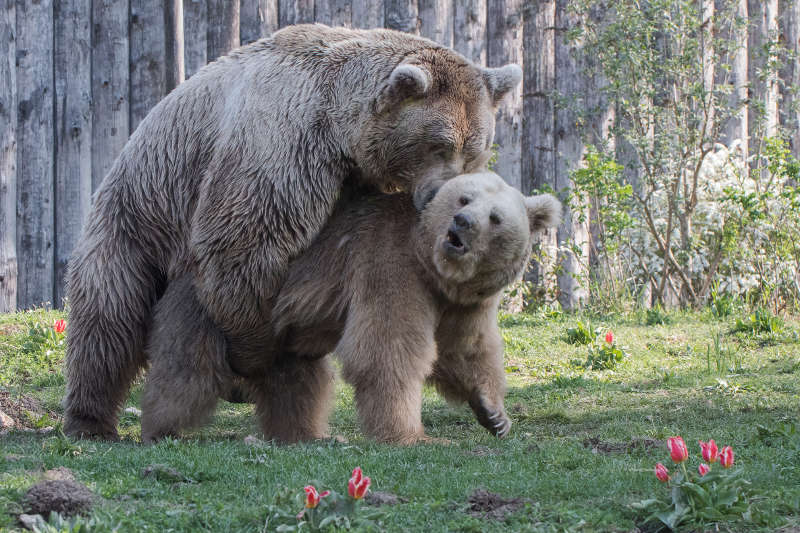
(759, 321)
(581, 334)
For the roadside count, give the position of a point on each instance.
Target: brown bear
(237, 170)
(399, 296)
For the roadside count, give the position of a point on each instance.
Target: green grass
(743, 391)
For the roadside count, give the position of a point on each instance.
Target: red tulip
(703, 469)
(726, 457)
(313, 497)
(60, 325)
(709, 451)
(610, 337)
(662, 473)
(677, 449)
(358, 484)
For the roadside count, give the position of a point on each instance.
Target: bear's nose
(463, 221)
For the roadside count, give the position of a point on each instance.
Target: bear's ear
(500, 80)
(544, 211)
(406, 81)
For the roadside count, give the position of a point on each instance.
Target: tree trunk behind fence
(737, 125)
(334, 12)
(223, 27)
(504, 36)
(568, 154)
(110, 91)
(537, 163)
(763, 115)
(8, 157)
(436, 20)
(35, 153)
(790, 74)
(258, 18)
(174, 67)
(195, 35)
(73, 130)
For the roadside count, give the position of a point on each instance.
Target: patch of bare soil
(383, 498)
(62, 496)
(484, 504)
(22, 411)
(606, 447)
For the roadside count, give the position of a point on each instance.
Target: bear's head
(431, 119)
(476, 234)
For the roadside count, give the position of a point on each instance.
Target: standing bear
(399, 296)
(237, 170)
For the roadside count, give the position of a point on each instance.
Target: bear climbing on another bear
(399, 296)
(237, 170)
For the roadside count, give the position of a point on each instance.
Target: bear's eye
(463, 200)
(495, 219)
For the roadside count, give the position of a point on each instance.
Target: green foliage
(721, 305)
(723, 357)
(695, 501)
(604, 356)
(777, 433)
(77, 524)
(656, 316)
(582, 333)
(759, 321)
(335, 512)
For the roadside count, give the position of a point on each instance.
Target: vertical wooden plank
(333, 12)
(257, 19)
(469, 30)
(436, 20)
(295, 12)
(174, 67)
(222, 28)
(110, 84)
(570, 86)
(367, 14)
(504, 45)
(147, 56)
(73, 131)
(8, 157)
(402, 15)
(790, 114)
(195, 33)
(35, 152)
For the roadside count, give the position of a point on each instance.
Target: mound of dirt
(606, 447)
(383, 498)
(62, 496)
(484, 504)
(23, 411)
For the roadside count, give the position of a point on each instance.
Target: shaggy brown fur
(399, 296)
(236, 171)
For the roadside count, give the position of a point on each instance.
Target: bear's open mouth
(454, 244)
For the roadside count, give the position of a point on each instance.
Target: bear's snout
(463, 221)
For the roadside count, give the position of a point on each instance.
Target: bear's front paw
(495, 420)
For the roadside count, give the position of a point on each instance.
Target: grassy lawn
(581, 451)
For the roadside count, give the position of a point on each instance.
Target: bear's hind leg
(188, 365)
(110, 296)
(294, 400)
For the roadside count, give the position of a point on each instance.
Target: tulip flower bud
(677, 449)
(662, 473)
(726, 457)
(710, 451)
(358, 484)
(60, 325)
(610, 337)
(312, 496)
(703, 469)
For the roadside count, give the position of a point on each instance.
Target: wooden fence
(77, 76)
